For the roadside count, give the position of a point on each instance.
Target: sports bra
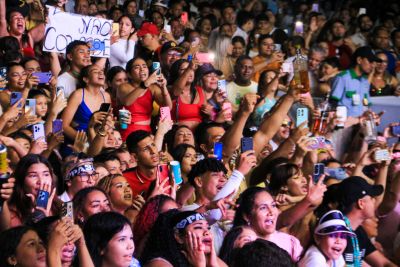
(83, 113)
(188, 112)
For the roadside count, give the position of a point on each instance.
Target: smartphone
(3, 75)
(30, 104)
(246, 144)
(395, 130)
(218, 150)
(105, 107)
(60, 90)
(287, 67)
(42, 199)
(337, 173)
(301, 116)
(382, 155)
(277, 47)
(228, 106)
(44, 77)
(317, 142)
(38, 131)
(15, 97)
(67, 210)
(319, 170)
(156, 67)
(141, 13)
(315, 7)
(115, 29)
(57, 126)
(362, 11)
(165, 112)
(163, 173)
(167, 28)
(205, 57)
(222, 86)
(184, 18)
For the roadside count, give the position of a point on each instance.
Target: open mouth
(128, 196)
(207, 241)
(269, 222)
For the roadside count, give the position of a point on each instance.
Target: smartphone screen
(42, 199)
(218, 150)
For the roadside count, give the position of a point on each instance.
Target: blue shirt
(347, 84)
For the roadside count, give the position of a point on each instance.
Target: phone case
(44, 77)
(30, 104)
(301, 116)
(218, 150)
(67, 210)
(38, 131)
(184, 18)
(163, 173)
(42, 199)
(382, 155)
(57, 126)
(246, 144)
(319, 170)
(222, 85)
(105, 107)
(115, 28)
(15, 97)
(165, 112)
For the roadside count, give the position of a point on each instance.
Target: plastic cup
(176, 170)
(123, 114)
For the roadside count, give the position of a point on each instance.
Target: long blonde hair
(221, 47)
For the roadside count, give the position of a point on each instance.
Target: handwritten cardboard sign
(64, 28)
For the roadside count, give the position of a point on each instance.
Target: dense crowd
(216, 133)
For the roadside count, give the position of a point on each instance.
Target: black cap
(366, 52)
(207, 68)
(356, 187)
(171, 45)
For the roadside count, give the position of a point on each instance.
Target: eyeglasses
(286, 124)
(174, 54)
(84, 177)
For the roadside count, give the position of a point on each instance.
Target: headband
(82, 166)
(182, 224)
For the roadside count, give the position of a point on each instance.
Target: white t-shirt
(69, 83)
(314, 257)
(121, 52)
(236, 92)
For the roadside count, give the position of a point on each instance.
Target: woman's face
(17, 23)
(247, 235)
(67, 254)
(119, 78)
(30, 251)
(120, 193)
(157, 19)
(41, 106)
(381, 67)
(189, 159)
(131, 9)
(24, 143)
(182, 69)
(36, 175)
(140, 71)
(16, 78)
(96, 76)
(125, 27)
(297, 185)
(332, 245)
(32, 66)
(119, 250)
(184, 136)
(210, 81)
(95, 202)
(205, 27)
(202, 229)
(238, 50)
(264, 214)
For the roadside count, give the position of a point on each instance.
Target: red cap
(148, 28)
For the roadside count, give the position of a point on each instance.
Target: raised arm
(3, 21)
(231, 138)
(272, 123)
(181, 82)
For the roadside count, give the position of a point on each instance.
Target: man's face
(176, 29)
(82, 7)
(147, 154)
(338, 30)
(366, 24)
(266, 47)
(170, 57)
(315, 60)
(381, 40)
(214, 135)
(81, 56)
(176, 10)
(212, 183)
(365, 65)
(229, 15)
(245, 69)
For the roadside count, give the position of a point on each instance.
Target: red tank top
(188, 112)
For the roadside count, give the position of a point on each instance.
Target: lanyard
(356, 247)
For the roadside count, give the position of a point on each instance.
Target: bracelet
(101, 132)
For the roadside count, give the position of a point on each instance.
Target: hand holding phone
(44, 77)
(105, 107)
(319, 170)
(165, 113)
(301, 116)
(42, 199)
